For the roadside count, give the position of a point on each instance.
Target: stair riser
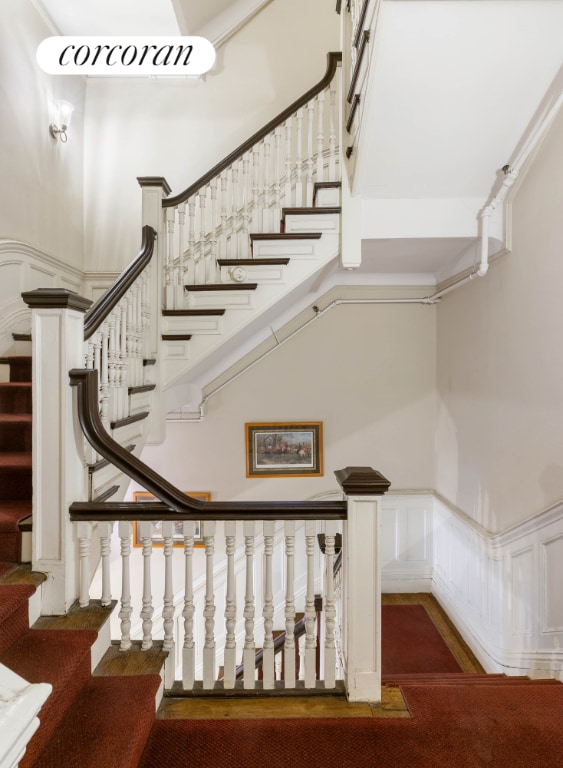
(15, 484)
(20, 370)
(324, 222)
(15, 399)
(15, 437)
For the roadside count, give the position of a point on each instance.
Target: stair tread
(286, 235)
(108, 724)
(14, 613)
(15, 418)
(222, 287)
(12, 511)
(260, 262)
(61, 658)
(193, 312)
(14, 460)
(309, 211)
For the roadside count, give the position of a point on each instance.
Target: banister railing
(116, 334)
(247, 191)
(101, 309)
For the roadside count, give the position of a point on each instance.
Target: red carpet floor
(410, 642)
(451, 727)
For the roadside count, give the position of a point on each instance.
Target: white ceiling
(453, 88)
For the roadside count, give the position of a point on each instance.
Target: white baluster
(310, 613)
(112, 365)
(329, 605)
(289, 646)
(201, 241)
(84, 535)
(332, 135)
(229, 662)
(266, 202)
(104, 375)
(234, 217)
(190, 266)
(182, 265)
(145, 534)
(276, 216)
(249, 652)
(288, 197)
(125, 530)
(299, 160)
(212, 262)
(169, 268)
(268, 609)
(320, 137)
(188, 651)
(209, 610)
(310, 163)
(168, 602)
(256, 217)
(248, 205)
(222, 240)
(104, 532)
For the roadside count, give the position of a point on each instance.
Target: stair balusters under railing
(116, 334)
(275, 169)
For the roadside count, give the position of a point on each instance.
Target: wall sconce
(63, 113)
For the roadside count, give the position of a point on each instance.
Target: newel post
(59, 476)
(361, 630)
(155, 189)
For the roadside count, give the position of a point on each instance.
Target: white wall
(42, 179)
(500, 365)
(366, 372)
(179, 129)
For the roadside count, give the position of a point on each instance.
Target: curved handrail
(175, 504)
(106, 303)
(86, 382)
(333, 60)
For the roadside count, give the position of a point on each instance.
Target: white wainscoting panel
(406, 543)
(503, 591)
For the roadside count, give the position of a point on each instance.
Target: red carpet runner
(451, 727)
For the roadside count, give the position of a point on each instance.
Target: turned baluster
(289, 645)
(310, 613)
(229, 662)
(248, 656)
(188, 651)
(209, 610)
(125, 530)
(145, 535)
(268, 609)
(168, 602)
(104, 531)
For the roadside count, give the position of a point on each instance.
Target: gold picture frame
(284, 449)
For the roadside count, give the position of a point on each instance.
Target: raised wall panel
(522, 590)
(552, 556)
(389, 536)
(416, 538)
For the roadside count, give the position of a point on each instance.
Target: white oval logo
(125, 56)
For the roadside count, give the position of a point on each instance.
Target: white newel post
(361, 641)
(155, 189)
(59, 476)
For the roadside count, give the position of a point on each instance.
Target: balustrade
(247, 191)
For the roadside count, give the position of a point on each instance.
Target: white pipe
(511, 174)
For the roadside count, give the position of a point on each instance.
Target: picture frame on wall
(284, 449)
(178, 539)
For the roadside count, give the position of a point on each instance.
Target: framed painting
(178, 540)
(284, 449)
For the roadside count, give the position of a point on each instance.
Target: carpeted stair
(87, 721)
(15, 456)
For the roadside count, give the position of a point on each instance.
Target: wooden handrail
(209, 510)
(175, 505)
(106, 303)
(334, 59)
(86, 382)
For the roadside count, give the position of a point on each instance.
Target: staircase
(15, 461)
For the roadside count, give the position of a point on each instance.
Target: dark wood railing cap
(155, 181)
(55, 298)
(362, 481)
